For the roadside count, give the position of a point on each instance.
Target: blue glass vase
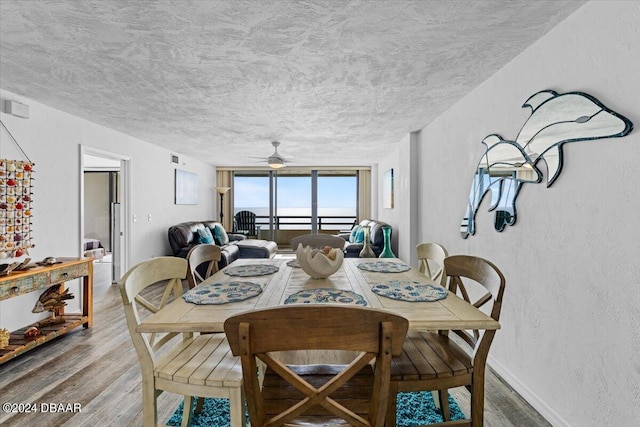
(387, 252)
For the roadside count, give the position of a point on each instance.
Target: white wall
(403, 217)
(570, 334)
(52, 140)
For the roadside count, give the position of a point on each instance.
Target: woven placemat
(408, 290)
(384, 266)
(251, 270)
(222, 293)
(325, 295)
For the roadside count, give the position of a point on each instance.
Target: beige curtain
(224, 178)
(364, 194)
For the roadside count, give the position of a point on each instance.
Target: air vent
(16, 109)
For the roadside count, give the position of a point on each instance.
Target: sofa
(353, 246)
(186, 235)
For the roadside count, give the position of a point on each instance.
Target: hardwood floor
(98, 369)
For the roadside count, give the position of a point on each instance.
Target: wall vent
(16, 109)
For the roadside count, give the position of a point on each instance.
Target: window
(335, 199)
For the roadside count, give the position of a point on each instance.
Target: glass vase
(366, 251)
(387, 252)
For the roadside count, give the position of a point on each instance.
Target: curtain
(364, 194)
(224, 178)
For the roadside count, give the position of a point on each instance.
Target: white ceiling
(337, 82)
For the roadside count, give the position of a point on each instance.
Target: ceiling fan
(275, 160)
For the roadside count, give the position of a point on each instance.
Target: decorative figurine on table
(52, 300)
(4, 338)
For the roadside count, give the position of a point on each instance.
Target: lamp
(221, 191)
(276, 163)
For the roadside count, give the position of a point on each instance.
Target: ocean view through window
(336, 199)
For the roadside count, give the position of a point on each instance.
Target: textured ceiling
(337, 82)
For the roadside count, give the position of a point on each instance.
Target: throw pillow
(354, 232)
(359, 236)
(221, 235)
(204, 235)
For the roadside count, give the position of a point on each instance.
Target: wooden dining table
(450, 313)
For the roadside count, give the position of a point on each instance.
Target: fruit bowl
(317, 263)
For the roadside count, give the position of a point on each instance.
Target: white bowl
(316, 264)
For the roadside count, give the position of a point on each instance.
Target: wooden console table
(40, 278)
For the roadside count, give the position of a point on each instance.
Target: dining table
(267, 283)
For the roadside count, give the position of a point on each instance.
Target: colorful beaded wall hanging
(16, 193)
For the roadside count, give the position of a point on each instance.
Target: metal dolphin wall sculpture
(556, 119)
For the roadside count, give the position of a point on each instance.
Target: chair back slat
(318, 241)
(203, 261)
(431, 261)
(171, 270)
(281, 333)
(246, 222)
(486, 275)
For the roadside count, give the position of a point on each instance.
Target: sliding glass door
(294, 201)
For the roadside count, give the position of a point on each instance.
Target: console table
(40, 278)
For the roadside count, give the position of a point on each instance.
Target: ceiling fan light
(276, 163)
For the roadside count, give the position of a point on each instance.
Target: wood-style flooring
(97, 368)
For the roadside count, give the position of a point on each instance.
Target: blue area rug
(413, 409)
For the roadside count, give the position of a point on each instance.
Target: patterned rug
(413, 409)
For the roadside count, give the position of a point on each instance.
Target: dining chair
(433, 361)
(203, 261)
(431, 261)
(318, 241)
(186, 364)
(317, 395)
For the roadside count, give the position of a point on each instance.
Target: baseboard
(533, 399)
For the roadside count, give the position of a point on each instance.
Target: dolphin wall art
(556, 119)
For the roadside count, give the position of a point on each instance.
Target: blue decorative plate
(222, 293)
(407, 290)
(251, 270)
(294, 263)
(325, 295)
(384, 266)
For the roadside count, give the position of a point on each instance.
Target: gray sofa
(352, 249)
(184, 236)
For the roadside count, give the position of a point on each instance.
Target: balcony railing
(290, 222)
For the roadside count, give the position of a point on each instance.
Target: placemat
(408, 290)
(384, 266)
(325, 295)
(294, 263)
(251, 270)
(222, 293)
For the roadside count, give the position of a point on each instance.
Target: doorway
(104, 204)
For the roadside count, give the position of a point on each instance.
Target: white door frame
(126, 198)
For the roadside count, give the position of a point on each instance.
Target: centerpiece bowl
(319, 263)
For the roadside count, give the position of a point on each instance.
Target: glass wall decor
(556, 119)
